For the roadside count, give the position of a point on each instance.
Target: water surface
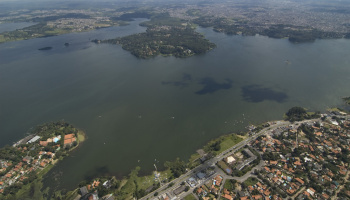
(161, 108)
(13, 26)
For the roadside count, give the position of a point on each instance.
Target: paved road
(213, 161)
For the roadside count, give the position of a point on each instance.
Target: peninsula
(24, 163)
(165, 36)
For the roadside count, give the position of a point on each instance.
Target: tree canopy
(177, 167)
(296, 114)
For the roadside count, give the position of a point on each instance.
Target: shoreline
(213, 150)
(28, 160)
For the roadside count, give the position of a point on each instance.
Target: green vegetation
(298, 34)
(164, 36)
(223, 166)
(230, 184)
(177, 167)
(299, 114)
(295, 34)
(131, 16)
(347, 100)
(251, 181)
(222, 143)
(194, 161)
(21, 158)
(190, 197)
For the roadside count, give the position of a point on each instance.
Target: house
(69, 139)
(325, 196)
(218, 180)
(273, 162)
(27, 159)
(300, 181)
(226, 196)
(311, 191)
(43, 143)
(257, 197)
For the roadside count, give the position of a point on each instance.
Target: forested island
(165, 36)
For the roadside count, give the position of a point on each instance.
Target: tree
(296, 114)
(139, 194)
(177, 167)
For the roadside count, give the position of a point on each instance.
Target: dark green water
(160, 108)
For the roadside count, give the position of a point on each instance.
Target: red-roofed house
(256, 197)
(226, 196)
(69, 139)
(300, 181)
(273, 162)
(43, 143)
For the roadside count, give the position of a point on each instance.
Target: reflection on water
(257, 93)
(210, 85)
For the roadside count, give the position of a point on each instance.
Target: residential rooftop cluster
(96, 188)
(322, 16)
(21, 163)
(308, 160)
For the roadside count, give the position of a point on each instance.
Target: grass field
(134, 182)
(251, 181)
(225, 142)
(230, 141)
(81, 136)
(190, 197)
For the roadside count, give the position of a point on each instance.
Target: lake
(13, 26)
(139, 112)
